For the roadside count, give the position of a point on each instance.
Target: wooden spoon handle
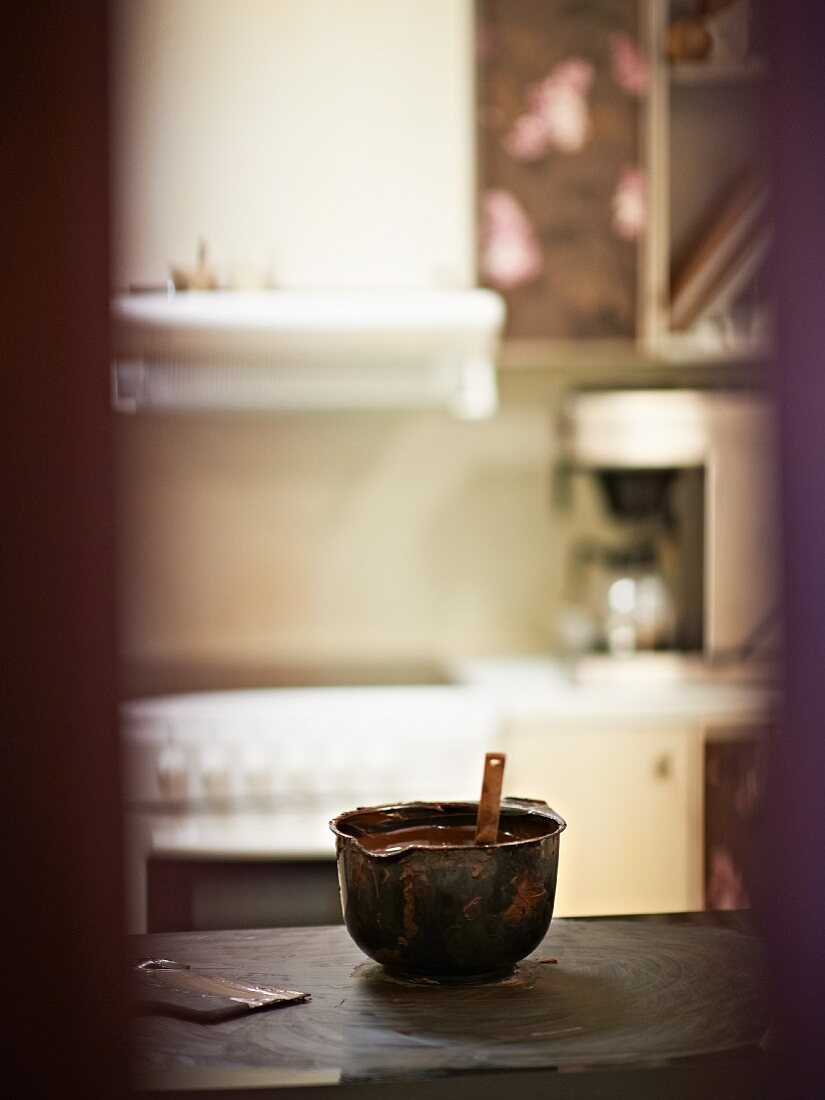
(489, 806)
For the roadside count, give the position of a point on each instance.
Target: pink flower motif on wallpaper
(628, 65)
(528, 138)
(630, 203)
(725, 888)
(510, 252)
(558, 115)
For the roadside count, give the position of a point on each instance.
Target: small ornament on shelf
(199, 277)
(688, 39)
(729, 24)
(720, 34)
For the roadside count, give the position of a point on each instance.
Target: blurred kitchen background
(440, 331)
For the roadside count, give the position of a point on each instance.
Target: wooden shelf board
(683, 347)
(677, 349)
(710, 72)
(542, 353)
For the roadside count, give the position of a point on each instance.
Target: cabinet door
(562, 185)
(632, 798)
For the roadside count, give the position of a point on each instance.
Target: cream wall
(338, 538)
(319, 142)
(333, 141)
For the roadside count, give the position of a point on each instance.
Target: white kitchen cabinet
(631, 793)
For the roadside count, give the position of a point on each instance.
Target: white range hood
(307, 350)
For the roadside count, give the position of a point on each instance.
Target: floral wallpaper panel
(562, 203)
(735, 779)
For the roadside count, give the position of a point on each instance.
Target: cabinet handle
(663, 768)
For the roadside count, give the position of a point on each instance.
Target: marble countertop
(653, 685)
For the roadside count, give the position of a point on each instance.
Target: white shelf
(307, 350)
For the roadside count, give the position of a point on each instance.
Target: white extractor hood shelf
(307, 350)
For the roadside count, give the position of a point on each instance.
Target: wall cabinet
(611, 167)
(560, 92)
(704, 133)
(632, 797)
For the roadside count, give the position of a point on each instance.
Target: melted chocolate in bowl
(427, 836)
(386, 830)
(424, 900)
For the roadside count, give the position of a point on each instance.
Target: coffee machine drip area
(637, 575)
(665, 501)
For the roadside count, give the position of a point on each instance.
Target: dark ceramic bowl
(453, 914)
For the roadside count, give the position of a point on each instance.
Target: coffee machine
(671, 525)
